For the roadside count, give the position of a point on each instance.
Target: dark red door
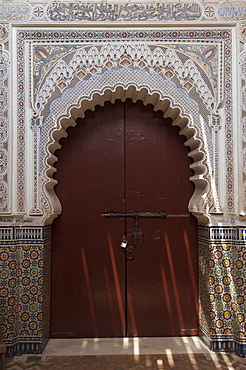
(126, 158)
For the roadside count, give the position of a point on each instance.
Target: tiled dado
(24, 288)
(222, 260)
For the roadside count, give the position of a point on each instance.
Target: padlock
(123, 244)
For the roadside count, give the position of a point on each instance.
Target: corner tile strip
(24, 287)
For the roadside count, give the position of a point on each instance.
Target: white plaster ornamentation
(244, 129)
(122, 11)
(190, 70)
(137, 85)
(209, 11)
(4, 33)
(193, 67)
(38, 11)
(242, 33)
(4, 127)
(15, 11)
(242, 63)
(235, 11)
(89, 61)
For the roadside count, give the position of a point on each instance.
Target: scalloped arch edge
(74, 103)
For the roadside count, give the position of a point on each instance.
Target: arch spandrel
(137, 85)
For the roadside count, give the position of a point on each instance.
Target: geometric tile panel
(24, 287)
(222, 269)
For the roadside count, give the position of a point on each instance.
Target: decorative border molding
(5, 198)
(215, 39)
(21, 129)
(242, 66)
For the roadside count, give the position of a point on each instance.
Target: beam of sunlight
(110, 300)
(197, 342)
(174, 282)
(84, 344)
(132, 314)
(190, 264)
(148, 362)
(193, 361)
(96, 343)
(136, 349)
(225, 358)
(185, 340)
(187, 345)
(189, 353)
(89, 292)
(117, 284)
(160, 364)
(125, 342)
(170, 359)
(167, 297)
(213, 356)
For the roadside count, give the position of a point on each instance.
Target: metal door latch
(136, 216)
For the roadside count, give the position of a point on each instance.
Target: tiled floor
(127, 354)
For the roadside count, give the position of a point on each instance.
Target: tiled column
(24, 288)
(222, 260)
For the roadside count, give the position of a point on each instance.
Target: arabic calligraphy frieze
(15, 12)
(119, 12)
(232, 11)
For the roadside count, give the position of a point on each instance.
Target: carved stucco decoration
(15, 11)
(91, 60)
(4, 126)
(187, 52)
(242, 63)
(137, 85)
(235, 11)
(123, 11)
(106, 68)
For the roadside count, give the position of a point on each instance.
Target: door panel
(162, 276)
(162, 280)
(123, 158)
(88, 276)
(157, 165)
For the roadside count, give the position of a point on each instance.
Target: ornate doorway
(128, 159)
(53, 71)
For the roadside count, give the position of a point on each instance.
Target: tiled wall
(222, 260)
(24, 287)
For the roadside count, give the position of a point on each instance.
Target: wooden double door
(124, 158)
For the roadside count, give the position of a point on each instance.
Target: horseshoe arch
(137, 85)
